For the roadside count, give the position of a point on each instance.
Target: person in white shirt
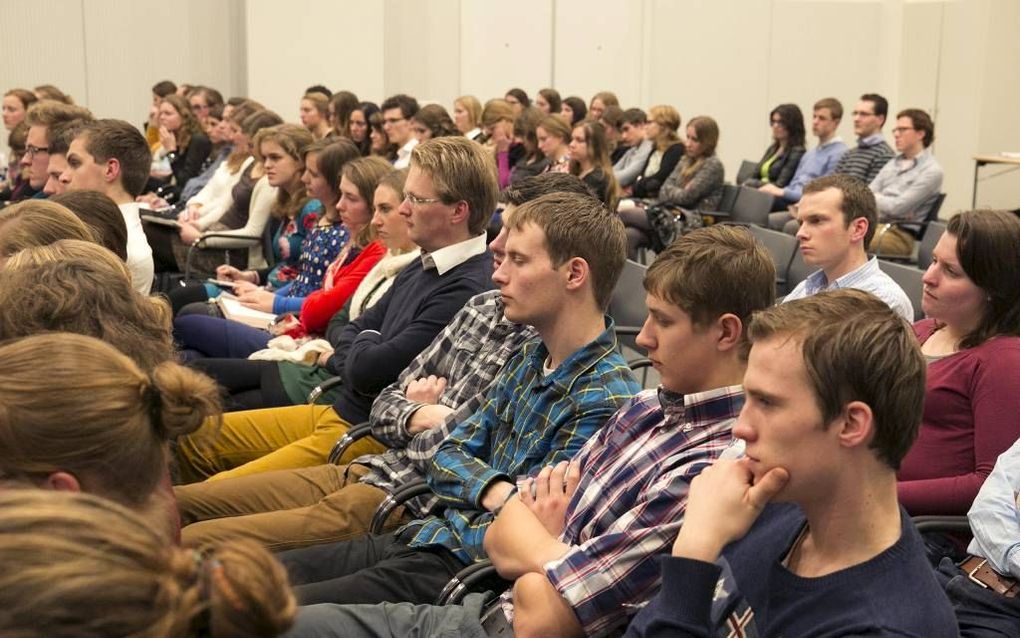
(397, 112)
(112, 157)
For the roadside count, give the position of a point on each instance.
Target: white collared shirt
(447, 258)
(404, 154)
(139, 254)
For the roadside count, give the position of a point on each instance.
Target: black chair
(931, 237)
(798, 271)
(227, 241)
(909, 279)
(627, 306)
(751, 208)
(746, 171)
(915, 228)
(782, 247)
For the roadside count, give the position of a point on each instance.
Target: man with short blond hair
(42, 117)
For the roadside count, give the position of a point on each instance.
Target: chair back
(931, 237)
(729, 197)
(799, 271)
(782, 248)
(746, 171)
(627, 306)
(909, 279)
(752, 207)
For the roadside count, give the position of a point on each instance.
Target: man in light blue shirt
(984, 588)
(818, 162)
(908, 185)
(837, 220)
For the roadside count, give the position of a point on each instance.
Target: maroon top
(971, 416)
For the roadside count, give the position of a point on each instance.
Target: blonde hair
(473, 107)
(461, 170)
(667, 118)
(78, 565)
(75, 286)
(99, 417)
(38, 222)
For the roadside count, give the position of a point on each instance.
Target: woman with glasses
(779, 163)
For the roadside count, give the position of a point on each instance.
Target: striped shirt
(865, 161)
(869, 278)
(529, 420)
(631, 499)
(468, 354)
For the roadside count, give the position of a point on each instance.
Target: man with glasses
(451, 193)
(42, 117)
(397, 112)
(908, 185)
(872, 152)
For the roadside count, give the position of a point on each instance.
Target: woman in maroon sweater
(971, 339)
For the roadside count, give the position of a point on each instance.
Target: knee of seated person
(530, 592)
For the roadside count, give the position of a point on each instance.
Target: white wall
(107, 54)
(732, 59)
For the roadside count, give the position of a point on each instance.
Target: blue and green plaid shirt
(529, 420)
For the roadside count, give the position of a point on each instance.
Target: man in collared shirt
(803, 536)
(872, 152)
(397, 112)
(451, 192)
(837, 220)
(113, 158)
(818, 162)
(582, 540)
(908, 185)
(985, 588)
(564, 254)
(441, 387)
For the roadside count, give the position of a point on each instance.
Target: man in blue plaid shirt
(564, 254)
(582, 540)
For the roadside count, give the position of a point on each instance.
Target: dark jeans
(250, 385)
(372, 569)
(980, 612)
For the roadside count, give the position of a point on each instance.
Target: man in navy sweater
(451, 193)
(804, 536)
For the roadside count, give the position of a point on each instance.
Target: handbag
(668, 223)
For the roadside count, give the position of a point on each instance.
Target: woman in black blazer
(781, 158)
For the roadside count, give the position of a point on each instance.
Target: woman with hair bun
(100, 424)
(76, 565)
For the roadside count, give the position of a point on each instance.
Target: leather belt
(981, 573)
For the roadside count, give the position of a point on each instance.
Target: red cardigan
(971, 403)
(320, 306)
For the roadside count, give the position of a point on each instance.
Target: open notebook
(233, 310)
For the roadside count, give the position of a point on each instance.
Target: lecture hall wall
(733, 59)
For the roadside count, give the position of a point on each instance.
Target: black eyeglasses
(30, 150)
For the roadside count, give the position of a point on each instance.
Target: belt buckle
(973, 578)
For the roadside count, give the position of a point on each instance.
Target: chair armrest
(227, 240)
(392, 501)
(358, 431)
(462, 582)
(325, 386)
(957, 524)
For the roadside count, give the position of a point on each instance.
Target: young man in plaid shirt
(441, 387)
(582, 539)
(564, 254)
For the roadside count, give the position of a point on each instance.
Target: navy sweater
(418, 305)
(893, 594)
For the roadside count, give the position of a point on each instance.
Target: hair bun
(183, 399)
